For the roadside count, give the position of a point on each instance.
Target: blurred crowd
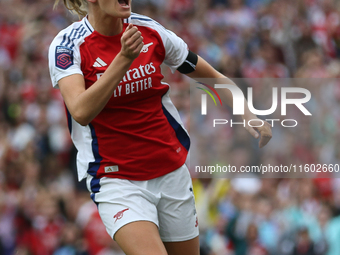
(45, 211)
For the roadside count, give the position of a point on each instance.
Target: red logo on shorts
(119, 214)
(196, 225)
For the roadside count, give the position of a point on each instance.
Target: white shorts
(168, 201)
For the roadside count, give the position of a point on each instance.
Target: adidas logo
(99, 63)
(146, 47)
(111, 169)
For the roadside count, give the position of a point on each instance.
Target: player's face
(116, 8)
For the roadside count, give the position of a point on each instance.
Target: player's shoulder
(145, 21)
(72, 35)
(139, 17)
(142, 20)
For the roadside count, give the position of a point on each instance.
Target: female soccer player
(131, 143)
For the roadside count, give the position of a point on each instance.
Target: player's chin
(123, 13)
(126, 14)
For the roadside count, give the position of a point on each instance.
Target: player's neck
(106, 25)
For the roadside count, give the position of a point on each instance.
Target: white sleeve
(176, 50)
(63, 61)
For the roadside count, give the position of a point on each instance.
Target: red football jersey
(138, 135)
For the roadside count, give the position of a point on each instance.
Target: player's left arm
(197, 67)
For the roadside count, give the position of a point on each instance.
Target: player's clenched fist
(132, 42)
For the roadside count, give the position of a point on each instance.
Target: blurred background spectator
(45, 211)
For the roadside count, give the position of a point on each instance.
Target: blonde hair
(75, 6)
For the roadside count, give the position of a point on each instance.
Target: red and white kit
(139, 122)
(138, 136)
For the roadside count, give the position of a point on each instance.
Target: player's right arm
(85, 104)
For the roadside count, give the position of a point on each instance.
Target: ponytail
(75, 6)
